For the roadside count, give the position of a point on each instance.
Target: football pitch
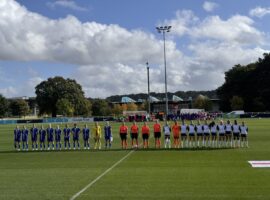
(141, 174)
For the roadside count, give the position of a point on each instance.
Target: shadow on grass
(117, 149)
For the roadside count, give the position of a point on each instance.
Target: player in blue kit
(50, 137)
(86, 136)
(34, 137)
(236, 134)
(108, 135)
(57, 133)
(76, 133)
(42, 136)
(67, 136)
(17, 138)
(25, 138)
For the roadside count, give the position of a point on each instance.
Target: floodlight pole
(163, 30)
(148, 82)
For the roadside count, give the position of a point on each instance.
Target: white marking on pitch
(100, 176)
(260, 163)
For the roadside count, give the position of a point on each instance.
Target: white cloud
(209, 6)
(111, 59)
(259, 12)
(238, 29)
(182, 21)
(66, 4)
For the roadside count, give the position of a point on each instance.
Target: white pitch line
(100, 176)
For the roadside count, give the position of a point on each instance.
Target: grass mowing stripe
(100, 176)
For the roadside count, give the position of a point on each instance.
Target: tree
(117, 109)
(203, 102)
(3, 106)
(237, 103)
(64, 107)
(251, 82)
(132, 107)
(19, 107)
(100, 107)
(49, 92)
(143, 106)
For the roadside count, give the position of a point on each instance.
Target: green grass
(151, 174)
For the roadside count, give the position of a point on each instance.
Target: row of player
(54, 135)
(190, 136)
(199, 135)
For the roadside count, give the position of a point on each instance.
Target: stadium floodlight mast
(148, 83)
(163, 30)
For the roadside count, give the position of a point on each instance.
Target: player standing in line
(86, 136)
(25, 138)
(145, 135)
(57, 133)
(76, 136)
(183, 128)
(236, 134)
(50, 137)
(17, 138)
(221, 135)
(206, 134)
(34, 137)
(157, 134)
(108, 135)
(213, 130)
(191, 135)
(228, 134)
(176, 135)
(134, 130)
(199, 131)
(67, 137)
(244, 135)
(167, 135)
(42, 136)
(123, 135)
(97, 138)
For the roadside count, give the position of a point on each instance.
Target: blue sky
(105, 44)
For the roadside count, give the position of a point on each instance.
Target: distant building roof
(153, 99)
(176, 98)
(127, 100)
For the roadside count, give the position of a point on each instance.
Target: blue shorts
(236, 135)
(214, 134)
(199, 134)
(221, 135)
(228, 132)
(107, 138)
(206, 134)
(191, 134)
(43, 140)
(244, 135)
(75, 138)
(183, 135)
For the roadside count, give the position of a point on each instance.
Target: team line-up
(184, 136)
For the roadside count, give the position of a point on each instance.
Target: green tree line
(247, 87)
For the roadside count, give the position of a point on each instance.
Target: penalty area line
(100, 176)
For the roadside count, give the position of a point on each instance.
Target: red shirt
(145, 130)
(134, 129)
(123, 129)
(176, 130)
(157, 128)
